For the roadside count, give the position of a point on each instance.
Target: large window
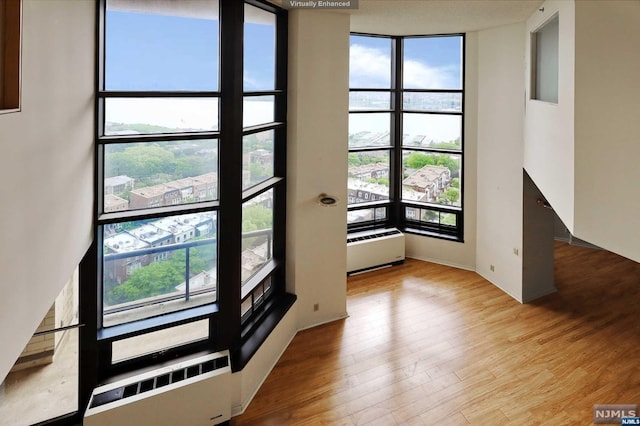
(406, 121)
(190, 164)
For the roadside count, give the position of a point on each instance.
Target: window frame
(227, 329)
(396, 207)
(10, 46)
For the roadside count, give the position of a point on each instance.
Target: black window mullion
(230, 174)
(396, 213)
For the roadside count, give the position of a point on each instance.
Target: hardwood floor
(426, 344)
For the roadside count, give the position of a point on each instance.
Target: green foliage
(162, 277)
(455, 182)
(138, 128)
(450, 196)
(448, 219)
(355, 159)
(150, 164)
(141, 161)
(445, 145)
(429, 215)
(256, 217)
(259, 173)
(152, 280)
(417, 160)
(252, 143)
(379, 181)
(190, 166)
(453, 194)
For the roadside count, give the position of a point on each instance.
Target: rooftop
(425, 176)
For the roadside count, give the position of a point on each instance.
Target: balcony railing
(174, 296)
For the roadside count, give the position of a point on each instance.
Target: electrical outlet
(316, 307)
(492, 268)
(516, 251)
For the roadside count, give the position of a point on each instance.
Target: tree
(354, 159)
(141, 161)
(190, 166)
(256, 217)
(417, 160)
(450, 196)
(152, 280)
(162, 277)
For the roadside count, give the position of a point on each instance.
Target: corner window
(406, 121)
(190, 177)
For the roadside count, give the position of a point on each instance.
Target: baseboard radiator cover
(372, 249)
(189, 393)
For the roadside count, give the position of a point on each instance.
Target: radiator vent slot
(372, 249)
(373, 236)
(158, 381)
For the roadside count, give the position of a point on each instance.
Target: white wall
(317, 163)
(248, 381)
(500, 156)
(549, 130)
(46, 167)
(461, 255)
(607, 125)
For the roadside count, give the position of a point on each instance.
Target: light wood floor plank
(426, 344)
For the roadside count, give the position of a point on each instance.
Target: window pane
(133, 116)
(432, 131)
(159, 340)
(378, 214)
(257, 233)
(369, 62)
(368, 176)
(431, 216)
(148, 175)
(432, 63)
(168, 45)
(545, 62)
(245, 308)
(259, 49)
(145, 266)
(369, 130)
(369, 100)
(257, 110)
(257, 158)
(431, 178)
(439, 102)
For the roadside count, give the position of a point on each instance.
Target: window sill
(432, 234)
(260, 331)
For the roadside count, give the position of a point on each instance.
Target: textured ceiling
(413, 17)
(404, 17)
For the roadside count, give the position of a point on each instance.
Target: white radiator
(372, 249)
(194, 392)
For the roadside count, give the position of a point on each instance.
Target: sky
(150, 51)
(429, 63)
